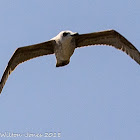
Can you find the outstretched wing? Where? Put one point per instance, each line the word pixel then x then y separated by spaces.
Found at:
pixel 111 38
pixel 26 53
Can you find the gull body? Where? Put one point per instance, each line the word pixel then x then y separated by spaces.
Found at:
pixel 63 46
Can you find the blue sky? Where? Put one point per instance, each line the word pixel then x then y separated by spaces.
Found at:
pixel 95 97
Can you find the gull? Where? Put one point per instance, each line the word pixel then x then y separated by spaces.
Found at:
pixel 63 46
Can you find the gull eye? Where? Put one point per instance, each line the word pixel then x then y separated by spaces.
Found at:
pixel 65 34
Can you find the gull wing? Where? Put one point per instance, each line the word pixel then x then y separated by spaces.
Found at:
pixel 111 38
pixel 26 53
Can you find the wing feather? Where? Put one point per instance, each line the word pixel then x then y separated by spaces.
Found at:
pixel 26 53
pixel 111 38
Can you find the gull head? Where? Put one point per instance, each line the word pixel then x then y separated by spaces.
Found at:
pixel 65 35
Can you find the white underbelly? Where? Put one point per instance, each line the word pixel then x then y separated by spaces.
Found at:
pixel 67 52
pixel 64 52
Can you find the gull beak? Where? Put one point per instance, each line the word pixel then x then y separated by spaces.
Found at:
pixel 75 34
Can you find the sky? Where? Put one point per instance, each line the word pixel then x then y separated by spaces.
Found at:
pixel 95 97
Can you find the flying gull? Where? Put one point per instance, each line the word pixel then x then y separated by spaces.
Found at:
pixel 63 46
